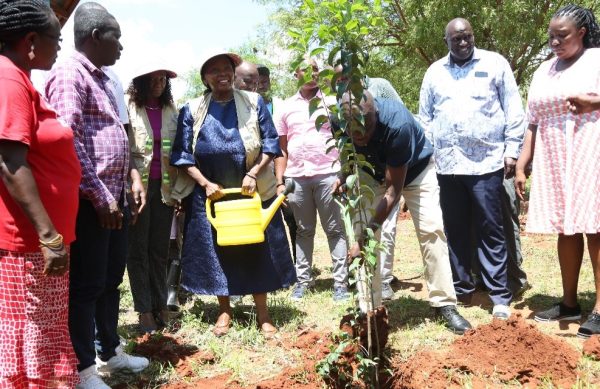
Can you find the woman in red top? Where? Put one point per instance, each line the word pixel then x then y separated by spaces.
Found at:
pixel 38 204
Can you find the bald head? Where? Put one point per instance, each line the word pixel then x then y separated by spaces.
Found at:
pixel 458 24
pixel 460 40
pixel 246 77
pixel 352 111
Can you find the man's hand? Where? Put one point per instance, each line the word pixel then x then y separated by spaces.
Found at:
pixel 583 103
pixel 110 216
pixel 354 252
pixel 509 167
pixel 338 187
pixel 56 261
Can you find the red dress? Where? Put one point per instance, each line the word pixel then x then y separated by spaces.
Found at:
pixel 35 346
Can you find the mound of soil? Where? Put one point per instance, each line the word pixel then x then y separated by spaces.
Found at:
pixel 501 351
pixel 591 347
pixel 165 349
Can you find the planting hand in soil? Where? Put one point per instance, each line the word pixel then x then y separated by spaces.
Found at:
pixel 565 186
pixel 396 147
pixel 381 88
pixel 477 132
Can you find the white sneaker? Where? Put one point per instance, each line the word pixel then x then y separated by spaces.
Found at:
pixel 89 379
pixel 501 312
pixel 121 361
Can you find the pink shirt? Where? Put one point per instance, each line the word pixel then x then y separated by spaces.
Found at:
pixel 307 156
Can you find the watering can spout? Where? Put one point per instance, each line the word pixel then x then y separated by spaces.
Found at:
pixel 268 213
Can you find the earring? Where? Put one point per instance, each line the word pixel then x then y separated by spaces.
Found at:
pixel 31 54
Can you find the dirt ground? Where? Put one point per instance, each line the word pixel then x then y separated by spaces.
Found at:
pixel 499 353
pixel 493 354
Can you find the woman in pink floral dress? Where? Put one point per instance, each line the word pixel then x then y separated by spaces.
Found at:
pixel 566 174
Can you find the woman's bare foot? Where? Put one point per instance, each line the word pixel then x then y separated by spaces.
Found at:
pixel 222 325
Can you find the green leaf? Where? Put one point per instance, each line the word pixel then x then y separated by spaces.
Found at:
pixel 317 51
pixel 294 33
pixel 320 120
pixel 351 180
pixel 313 105
pixel 358 7
pixel 332 55
pixel 351 25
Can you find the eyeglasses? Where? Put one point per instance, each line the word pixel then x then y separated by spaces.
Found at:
pixel 56 38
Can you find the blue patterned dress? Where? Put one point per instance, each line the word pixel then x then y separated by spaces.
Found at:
pixel 221 157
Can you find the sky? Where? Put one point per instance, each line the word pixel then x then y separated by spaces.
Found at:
pixel 177 33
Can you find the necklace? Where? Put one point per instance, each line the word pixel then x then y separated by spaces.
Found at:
pixel 223 101
pixel 152 108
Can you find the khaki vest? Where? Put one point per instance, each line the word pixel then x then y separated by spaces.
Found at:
pixel 246 104
pixel 141 142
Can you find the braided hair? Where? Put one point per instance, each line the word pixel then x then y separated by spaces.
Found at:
pixel 19 17
pixel 582 17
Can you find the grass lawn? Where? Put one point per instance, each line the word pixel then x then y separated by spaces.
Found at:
pixel 246 358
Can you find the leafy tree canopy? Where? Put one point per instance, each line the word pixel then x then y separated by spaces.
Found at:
pixel 402 48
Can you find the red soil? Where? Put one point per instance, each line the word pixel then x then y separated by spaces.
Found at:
pixel 498 352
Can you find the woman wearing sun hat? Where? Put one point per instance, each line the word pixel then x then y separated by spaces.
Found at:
pixel 226 139
pixel 153 121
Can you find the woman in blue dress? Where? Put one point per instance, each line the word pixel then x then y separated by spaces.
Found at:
pixel 226 139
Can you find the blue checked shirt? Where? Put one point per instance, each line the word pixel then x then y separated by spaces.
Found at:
pixel 473 115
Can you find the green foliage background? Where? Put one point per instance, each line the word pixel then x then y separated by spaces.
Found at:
pixel 402 49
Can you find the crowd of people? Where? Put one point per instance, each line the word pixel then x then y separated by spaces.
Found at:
pixel 92 179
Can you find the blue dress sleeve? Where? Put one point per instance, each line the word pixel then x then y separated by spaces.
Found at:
pixel 268 133
pixel 181 152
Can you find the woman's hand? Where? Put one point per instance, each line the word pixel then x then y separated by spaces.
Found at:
pixel 249 184
pixel 520 183
pixel 213 191
pixel 57 261
pixel 583 103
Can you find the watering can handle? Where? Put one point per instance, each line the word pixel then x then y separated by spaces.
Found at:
pixel 224 191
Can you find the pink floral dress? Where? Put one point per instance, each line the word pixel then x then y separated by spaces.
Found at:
pixel 565 187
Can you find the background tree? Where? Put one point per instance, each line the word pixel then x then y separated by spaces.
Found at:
pixel 402 49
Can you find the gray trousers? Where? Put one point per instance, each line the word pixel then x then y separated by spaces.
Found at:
pixel 312 195
pixel 149 253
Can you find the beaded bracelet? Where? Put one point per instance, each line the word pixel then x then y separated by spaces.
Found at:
pixel 54 243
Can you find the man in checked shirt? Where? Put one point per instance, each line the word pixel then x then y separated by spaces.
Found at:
pixel 80 92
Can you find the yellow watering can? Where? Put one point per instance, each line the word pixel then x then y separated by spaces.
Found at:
pixel 243 221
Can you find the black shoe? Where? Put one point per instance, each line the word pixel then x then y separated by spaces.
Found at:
pixel 590 327
pixel 454 321
pixel 559 312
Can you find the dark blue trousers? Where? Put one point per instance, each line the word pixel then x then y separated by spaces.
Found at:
pixel 98 258
pixel 467 199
